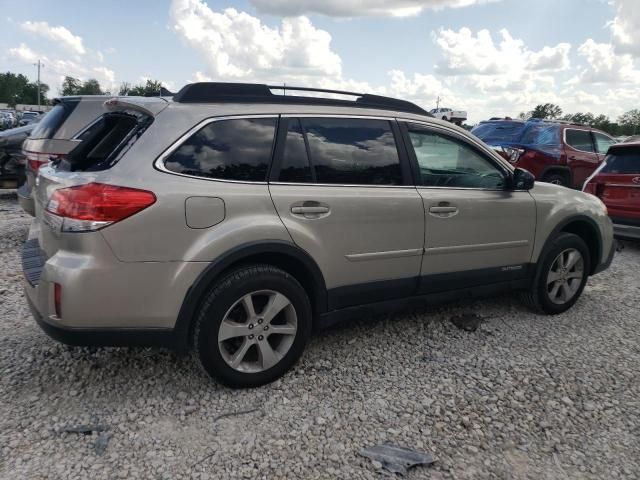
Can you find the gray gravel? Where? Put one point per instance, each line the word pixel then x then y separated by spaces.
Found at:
pixel 524 396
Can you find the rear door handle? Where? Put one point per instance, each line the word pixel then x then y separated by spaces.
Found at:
pixel 309 210
pixel 443 209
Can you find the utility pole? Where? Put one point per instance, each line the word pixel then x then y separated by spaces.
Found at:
pixel 438 102
pixel 39 64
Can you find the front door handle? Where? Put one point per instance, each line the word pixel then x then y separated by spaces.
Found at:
pixel 309 210
pixel 443 211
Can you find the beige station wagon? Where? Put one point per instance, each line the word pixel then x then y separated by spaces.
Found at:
pixel 231 221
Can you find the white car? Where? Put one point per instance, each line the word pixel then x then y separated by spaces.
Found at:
pixel 449 115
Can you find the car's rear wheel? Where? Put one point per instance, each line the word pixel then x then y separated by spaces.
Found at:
pixel 562 275
pixel 252 326
pixel 556 179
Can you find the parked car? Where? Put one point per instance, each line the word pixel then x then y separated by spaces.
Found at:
pixel 617 183
pixel 30 117
pixel 556 152
pixel 56 135
pixel 7 120
pixel 450 115
pixel 233 221
pixel 11 158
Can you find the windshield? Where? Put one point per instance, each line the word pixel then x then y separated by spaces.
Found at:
pixel 499 131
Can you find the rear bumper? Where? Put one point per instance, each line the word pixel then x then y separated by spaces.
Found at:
pixel 105 337
pixel 26 200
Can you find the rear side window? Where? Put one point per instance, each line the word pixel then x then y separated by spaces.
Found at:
pixel 295 165
pixel 353 151
pixel 625 161
pixel 53 120
pixel 103 141
pixel 540 134
pixel 237 149
pixel 603 142
pixel 579 139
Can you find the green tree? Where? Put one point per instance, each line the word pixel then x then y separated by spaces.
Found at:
pixel 74 86
pixel 91 87
pixel 124 88
pixel 149 89
pixel 16 88
pixel 547 111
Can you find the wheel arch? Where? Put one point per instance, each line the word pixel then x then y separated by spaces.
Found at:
pixel 587 229
pixel 281 254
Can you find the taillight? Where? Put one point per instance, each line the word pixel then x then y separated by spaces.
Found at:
pixel 93 206
pixel 35 160
pixel 511 154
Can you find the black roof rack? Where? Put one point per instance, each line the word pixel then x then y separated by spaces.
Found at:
pixel 218 92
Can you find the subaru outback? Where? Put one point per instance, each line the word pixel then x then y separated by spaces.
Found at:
pixel 231 221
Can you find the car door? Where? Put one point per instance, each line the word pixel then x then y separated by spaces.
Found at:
pixel 477 231
pixel 343 190
pixel 582 158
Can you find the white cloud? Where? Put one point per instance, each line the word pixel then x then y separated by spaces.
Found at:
pixel 58 34
pixel 55 69
pixel 357 8
pixel 605 66
pixel 625 27
pixel 238 45
pixel 466 53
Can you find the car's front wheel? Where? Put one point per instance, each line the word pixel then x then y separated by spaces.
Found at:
pixel 562 275
pixel 252 326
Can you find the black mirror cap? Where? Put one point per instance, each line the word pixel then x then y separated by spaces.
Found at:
pixel 523 179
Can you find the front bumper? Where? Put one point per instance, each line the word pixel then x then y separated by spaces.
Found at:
pixel 626 232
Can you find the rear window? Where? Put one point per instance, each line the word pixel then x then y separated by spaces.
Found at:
pixel 227 150
pixel 540 134
pixel 104 141
pixel 53 120
pixel 499 131
pixel 623 162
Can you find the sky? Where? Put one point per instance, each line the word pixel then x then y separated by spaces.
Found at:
pixel 489 57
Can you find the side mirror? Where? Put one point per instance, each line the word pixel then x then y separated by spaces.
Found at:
pixel 522 179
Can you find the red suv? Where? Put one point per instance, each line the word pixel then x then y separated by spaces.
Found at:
pixel 617 183
pixel 555 152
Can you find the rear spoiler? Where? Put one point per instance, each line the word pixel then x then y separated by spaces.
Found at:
pixel 150 106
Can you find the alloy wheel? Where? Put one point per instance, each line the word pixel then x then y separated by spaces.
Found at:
pixel 257 331
pixel 565 276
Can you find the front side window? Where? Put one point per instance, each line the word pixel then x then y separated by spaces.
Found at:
pixel 353 151
pixel 446 162
pixel 603 142
pixel 238 149
pixel 579 139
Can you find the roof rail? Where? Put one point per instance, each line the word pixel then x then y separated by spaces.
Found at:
pixel 563 122
pixel 219 92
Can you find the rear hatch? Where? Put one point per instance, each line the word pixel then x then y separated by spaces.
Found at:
pixel 617 183
pixel 68 191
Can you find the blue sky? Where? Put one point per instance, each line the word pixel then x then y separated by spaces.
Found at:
pixel 495 57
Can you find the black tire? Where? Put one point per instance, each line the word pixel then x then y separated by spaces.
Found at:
pixel 445 119
pixel 556 179
pixel 538 296
pixel 222 296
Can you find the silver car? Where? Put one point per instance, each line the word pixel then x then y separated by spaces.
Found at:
pixel 232 221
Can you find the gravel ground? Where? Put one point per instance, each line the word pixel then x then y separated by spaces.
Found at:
pixel 525 396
